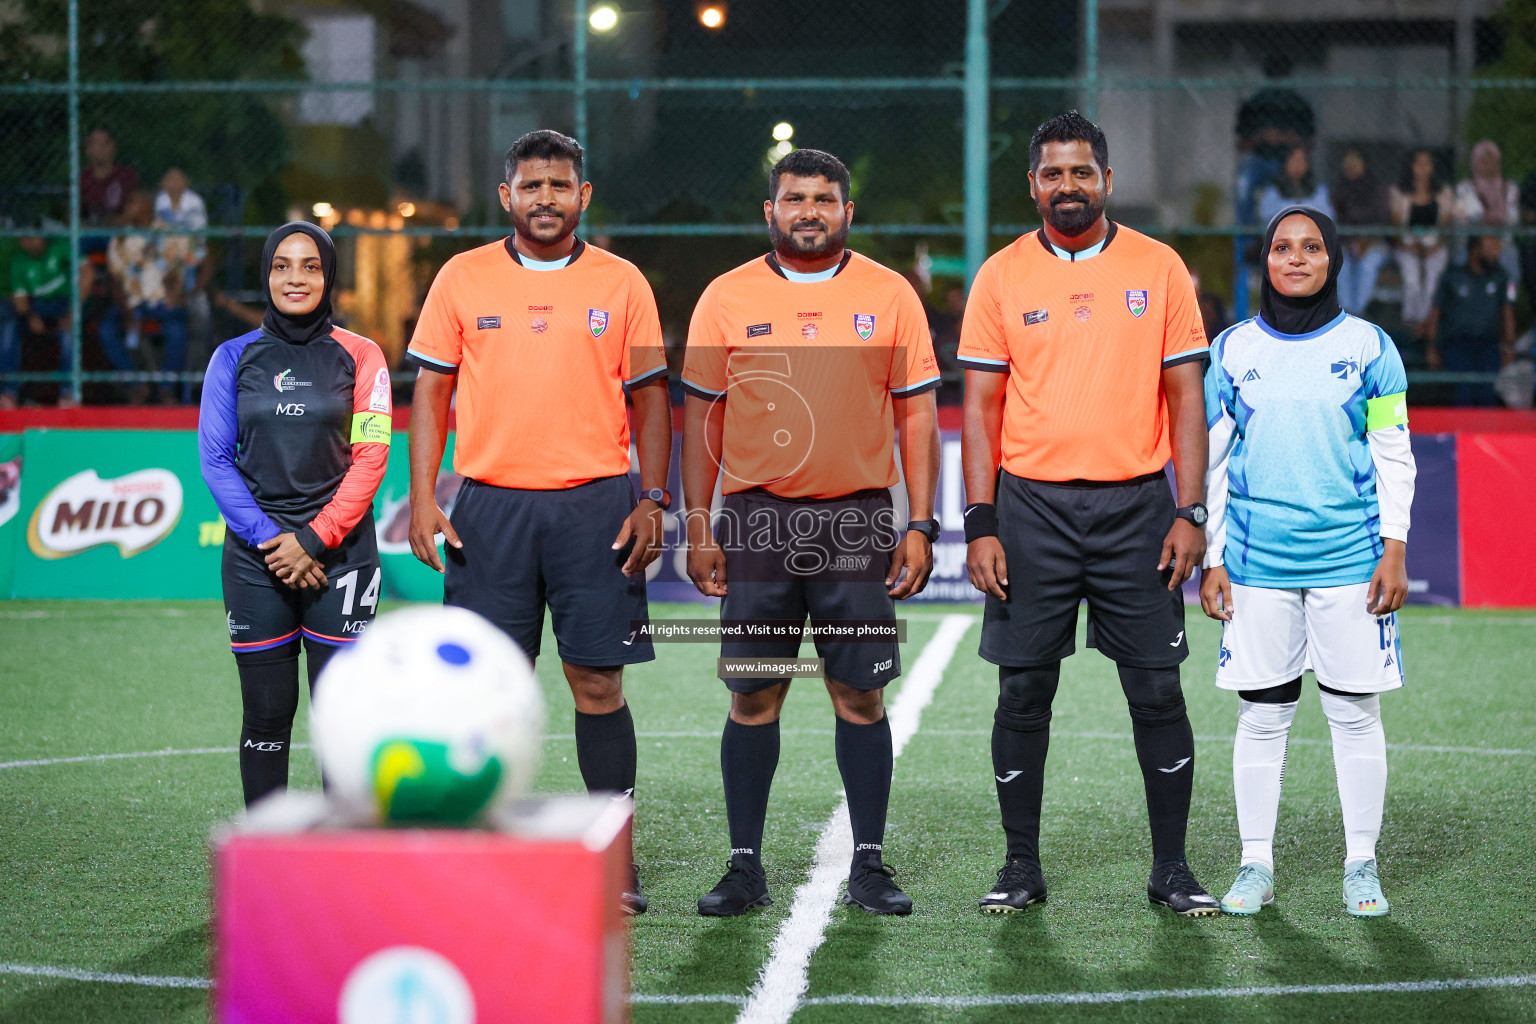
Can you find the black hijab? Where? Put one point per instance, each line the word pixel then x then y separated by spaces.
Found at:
pixel 1308 313
pixel 299 330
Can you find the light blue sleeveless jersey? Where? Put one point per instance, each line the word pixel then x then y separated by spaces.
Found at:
pixel 1302 508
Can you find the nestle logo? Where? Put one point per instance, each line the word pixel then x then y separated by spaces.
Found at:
pixel 488 323
pixel 758 330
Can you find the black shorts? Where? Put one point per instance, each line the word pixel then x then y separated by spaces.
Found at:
pixel 262 611
pixel 524 549
pixel 826 558
pixel 1068 541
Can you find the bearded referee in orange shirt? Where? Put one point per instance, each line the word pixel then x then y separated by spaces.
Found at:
pixel 1084 354
pixel 803 368
pixel 543 335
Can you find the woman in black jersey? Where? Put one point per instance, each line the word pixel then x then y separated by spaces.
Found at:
pixel 294 438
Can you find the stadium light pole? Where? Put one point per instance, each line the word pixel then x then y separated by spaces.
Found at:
pixel 977 94
pixel 579 59
pixel 75 333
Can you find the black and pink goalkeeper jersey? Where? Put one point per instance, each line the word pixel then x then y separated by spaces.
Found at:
pixel 295 438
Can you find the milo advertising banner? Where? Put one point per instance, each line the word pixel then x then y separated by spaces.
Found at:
pixel 115 515
pixel 10 505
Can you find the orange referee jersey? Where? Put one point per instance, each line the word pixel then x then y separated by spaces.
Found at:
pixel 806 371
pixel 543 358
pixel 1084 343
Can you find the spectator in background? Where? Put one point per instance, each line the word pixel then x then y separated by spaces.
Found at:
pixel 1295 185
pixel 1526 246
pixel 1472 323
pixel 1270 123
pixel 1359 201
pixel 10 328
pixel 148 284
pixel 1420 199
pixel 177 209
pixel 1213 312
pixel 106 186
pixel 40 283
pixel 1490 199
pixel 944 326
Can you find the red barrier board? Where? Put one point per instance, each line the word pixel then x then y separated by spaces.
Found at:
pixel 1496 482
pixel 453 926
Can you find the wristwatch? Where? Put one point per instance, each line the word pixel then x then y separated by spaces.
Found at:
pixel 927 527
pixel 660 496
pixel 1195 513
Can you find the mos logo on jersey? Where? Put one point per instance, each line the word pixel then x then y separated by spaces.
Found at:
pixel 1136 302
pixel 135 512
pixel 597 322
pixel 864 324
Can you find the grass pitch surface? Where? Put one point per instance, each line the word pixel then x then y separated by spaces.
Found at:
pixel 103 862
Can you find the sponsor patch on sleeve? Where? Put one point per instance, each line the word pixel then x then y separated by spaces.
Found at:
pixel 1036 316
pixel 379 400
pixel 758 330
pixel 370 428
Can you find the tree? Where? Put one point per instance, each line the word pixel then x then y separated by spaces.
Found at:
pixel 219 138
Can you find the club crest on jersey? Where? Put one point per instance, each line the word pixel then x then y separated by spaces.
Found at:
pixel 1136 302
pixel 597 322
pixel 1344 367
pixel 864 323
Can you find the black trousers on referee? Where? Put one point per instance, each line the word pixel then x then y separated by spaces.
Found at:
pixel 1067 542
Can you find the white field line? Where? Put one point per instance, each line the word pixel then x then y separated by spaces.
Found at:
pixel 783 979
pixel 70 974
pixel 715 735
pixel 940 1002
pixel 168 752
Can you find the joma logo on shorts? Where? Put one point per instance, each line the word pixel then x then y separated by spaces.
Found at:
pixel 881 666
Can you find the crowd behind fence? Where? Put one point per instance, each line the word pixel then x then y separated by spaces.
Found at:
pixel 152 145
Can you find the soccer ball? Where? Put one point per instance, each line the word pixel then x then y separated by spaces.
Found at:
pixel 433 716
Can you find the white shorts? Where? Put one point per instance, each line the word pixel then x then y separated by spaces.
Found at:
pixel 1275 635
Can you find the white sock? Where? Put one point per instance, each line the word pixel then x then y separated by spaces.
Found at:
pixel 1360 762
pixel 1258 766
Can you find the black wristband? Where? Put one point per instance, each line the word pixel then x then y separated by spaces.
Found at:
pixel 980 521
pixel 310 541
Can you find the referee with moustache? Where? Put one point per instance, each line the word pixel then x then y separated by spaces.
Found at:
pixel 1084 351
pixel 543 335
pixel 804 367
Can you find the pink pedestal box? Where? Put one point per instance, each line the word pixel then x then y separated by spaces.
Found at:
pixel 520 925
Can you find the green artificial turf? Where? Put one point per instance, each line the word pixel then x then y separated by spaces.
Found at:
pixel 103 864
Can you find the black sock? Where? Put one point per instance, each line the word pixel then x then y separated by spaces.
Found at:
pixel 749 755
pixel 1021 738
pixel 269 691
pixel 1165 747
pixel 605 750
pixel 316 656
pixel 865 759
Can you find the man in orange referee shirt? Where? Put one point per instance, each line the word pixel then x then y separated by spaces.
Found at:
pixel 1084 351
pixel 543 335
pixel 803 367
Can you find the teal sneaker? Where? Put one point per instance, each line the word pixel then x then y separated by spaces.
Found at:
pixel 1253 891
pixel 1362 890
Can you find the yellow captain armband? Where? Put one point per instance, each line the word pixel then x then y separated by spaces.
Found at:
pixel 370 428
pixel 1386 411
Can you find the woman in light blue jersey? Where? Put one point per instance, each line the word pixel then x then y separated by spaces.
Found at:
pixel 1309 489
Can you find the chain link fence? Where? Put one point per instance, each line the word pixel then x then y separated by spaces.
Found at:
pixel 150 145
